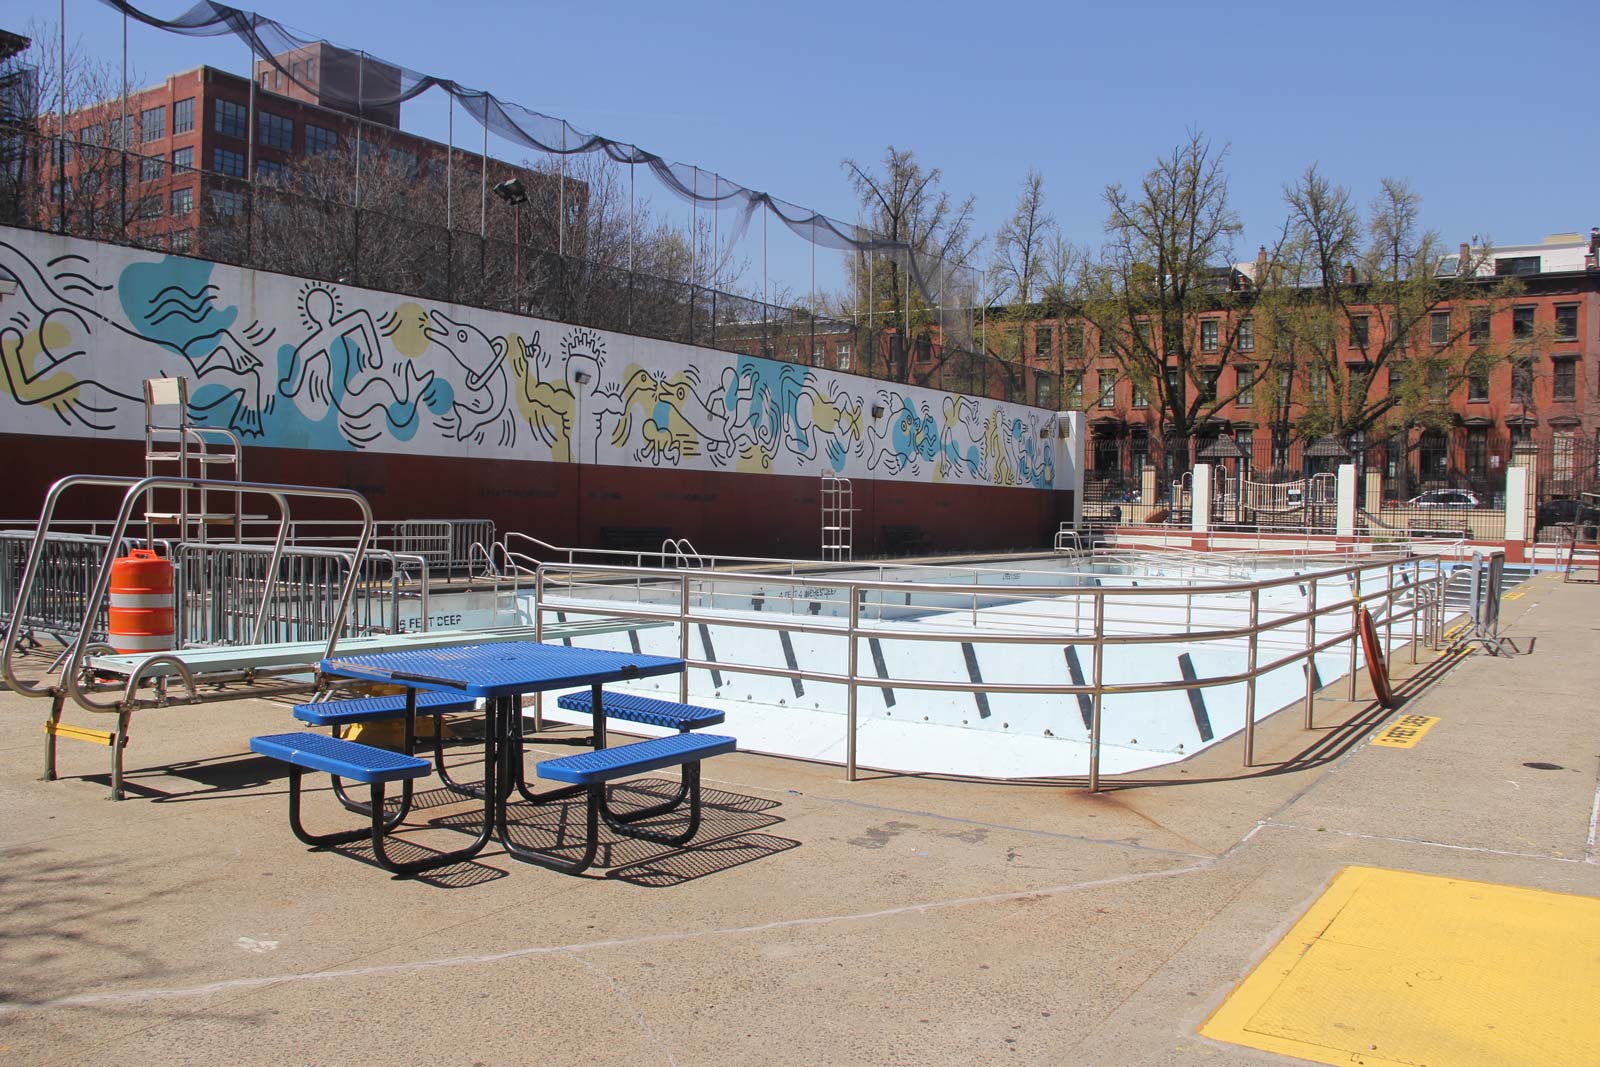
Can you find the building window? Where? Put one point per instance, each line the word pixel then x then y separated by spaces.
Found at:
pixel 182 157
pixel 1208 335
pixel 1108 388
pixel 1246 440
pixel 151 168
pixel 1208 384
pixel 63 152
pixel 1522 323
pixel 274 131
pixel 1477 453
pixel 270 170
pixel 1316 385
pixel 117 131
pixel 1478 387
pixel 1517 265
pixel 1566 322
pixel 153 123
pixel 1564 379
pixel 1360 331
pixel 1247 335
pixel 266 79
pixel 1042 395
pixel 1105 342
pixel 406 163
pixel 1074 391
pixel 311 69
pixel 1041 342
pixel 1478 326
pixel 92 135
pixel 1074 340
pixel 231 119
pixel 1438 383
pixel 1143 331
pixel 182 201
pixel 227 162
pixel 1522 381
pixel 1140 400
pixel 1245 387
pixel 150 207
pixel 181 240
pixel 319 140
pixel 1397 378
pixel 1439 328
pixel 183 116
pixel 294 70
pixel 841 355
pixel 226 204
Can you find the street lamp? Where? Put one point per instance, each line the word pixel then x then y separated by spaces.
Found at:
pixel 513 192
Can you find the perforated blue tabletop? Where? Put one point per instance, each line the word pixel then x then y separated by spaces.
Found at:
pixel 502 669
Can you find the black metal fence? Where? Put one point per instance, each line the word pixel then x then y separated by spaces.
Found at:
pixel 281 224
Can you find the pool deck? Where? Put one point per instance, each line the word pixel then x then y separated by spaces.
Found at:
pixel 894 920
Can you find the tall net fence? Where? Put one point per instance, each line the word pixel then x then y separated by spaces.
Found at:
pixel 300 166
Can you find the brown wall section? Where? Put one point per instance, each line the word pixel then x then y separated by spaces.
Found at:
pixel 567 504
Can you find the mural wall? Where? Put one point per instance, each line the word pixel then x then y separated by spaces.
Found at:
pixel 289 363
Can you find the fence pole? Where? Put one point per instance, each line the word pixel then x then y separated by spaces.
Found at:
pixel 1098 697
pixel 1355 627
pixel 683 638
pixel 1416 605
pixel 852 661
pixel 1311 644
pixel 1250 680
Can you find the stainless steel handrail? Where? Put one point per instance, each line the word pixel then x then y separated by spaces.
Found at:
pixel 135 491
pixel 1421 597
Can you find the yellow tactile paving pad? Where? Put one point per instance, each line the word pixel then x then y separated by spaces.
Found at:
pixel 1390 967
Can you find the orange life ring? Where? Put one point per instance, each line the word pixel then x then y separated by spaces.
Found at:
pixel 1377 670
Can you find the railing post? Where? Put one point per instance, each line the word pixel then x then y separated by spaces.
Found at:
pixel 538 637
pixel 683 638
pixel 1099 687
pixel 1311 644
pixel 1388 615
pixel 1355 629
pixel 852 659
pixel 1416 604
pixel 1250 680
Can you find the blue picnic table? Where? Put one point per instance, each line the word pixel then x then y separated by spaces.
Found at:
pixel 500 674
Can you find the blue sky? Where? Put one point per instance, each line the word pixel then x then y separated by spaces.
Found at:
pixel 1488 110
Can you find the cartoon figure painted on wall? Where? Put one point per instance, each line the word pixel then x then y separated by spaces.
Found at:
pixel 325 366
pixel 176 328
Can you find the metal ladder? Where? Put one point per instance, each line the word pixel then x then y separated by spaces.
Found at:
pixel 838 518
pixel 180 449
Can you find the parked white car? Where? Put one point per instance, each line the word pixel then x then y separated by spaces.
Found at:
pixel 1445 498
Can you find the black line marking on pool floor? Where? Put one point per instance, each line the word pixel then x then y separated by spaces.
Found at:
pixel 1197 699
pixel 970 654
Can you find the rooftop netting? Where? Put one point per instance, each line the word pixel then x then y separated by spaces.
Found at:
pixel 268 39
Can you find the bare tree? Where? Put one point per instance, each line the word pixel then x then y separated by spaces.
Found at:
pixel 904 203
pixel 1016 267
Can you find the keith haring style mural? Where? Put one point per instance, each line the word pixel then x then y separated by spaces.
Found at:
pixel 305 364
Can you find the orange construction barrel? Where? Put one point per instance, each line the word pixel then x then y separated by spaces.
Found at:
pixel 141 602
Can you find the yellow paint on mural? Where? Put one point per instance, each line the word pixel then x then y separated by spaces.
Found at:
pixel 1392 968
pixel 1405 731
pixel 22 354
pixel 408 338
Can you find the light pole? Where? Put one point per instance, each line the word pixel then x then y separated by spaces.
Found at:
pixel 514 193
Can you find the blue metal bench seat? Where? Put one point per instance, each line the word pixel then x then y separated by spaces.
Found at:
pixel 374 709
pixel 592 770
pixel 304 751
pixel 644 709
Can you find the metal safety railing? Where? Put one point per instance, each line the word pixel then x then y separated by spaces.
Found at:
pixel 56 603
pixel 1285 630
pixel 446 544
pixel 72 678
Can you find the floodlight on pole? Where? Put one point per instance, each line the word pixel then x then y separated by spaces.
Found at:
pixel 513 192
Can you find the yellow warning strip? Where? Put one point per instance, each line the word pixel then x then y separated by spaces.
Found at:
pixel 1405 731
pixel 80 733
pixel 1391 967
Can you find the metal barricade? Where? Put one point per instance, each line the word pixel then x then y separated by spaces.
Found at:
pixel 59 599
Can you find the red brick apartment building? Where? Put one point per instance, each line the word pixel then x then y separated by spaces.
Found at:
pixel 190 157
pixel 1544 400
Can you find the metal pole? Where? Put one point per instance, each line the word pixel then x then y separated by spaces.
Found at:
pixel 1097 698
pixel 683 638
pixel 561 198
pixel 1250 680
pixel 1311 643
pixel 250 150
pixel 122 133
pixel 1416 605
pixel 483 176
pixel 61 121
pixel 450 162
pixel 1355 627
pixel 1388 616
pixel 850 687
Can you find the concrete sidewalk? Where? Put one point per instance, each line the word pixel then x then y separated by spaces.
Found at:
pixel 896 920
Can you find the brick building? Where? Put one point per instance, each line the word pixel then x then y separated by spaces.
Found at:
pixel 174 164
pixel 1545 400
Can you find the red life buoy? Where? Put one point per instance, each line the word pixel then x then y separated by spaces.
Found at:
pixel 1377 670
pixel 141 603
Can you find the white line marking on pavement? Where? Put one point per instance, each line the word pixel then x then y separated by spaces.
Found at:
pixel 135 996
pixel 1594 821
pixel 1421 841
